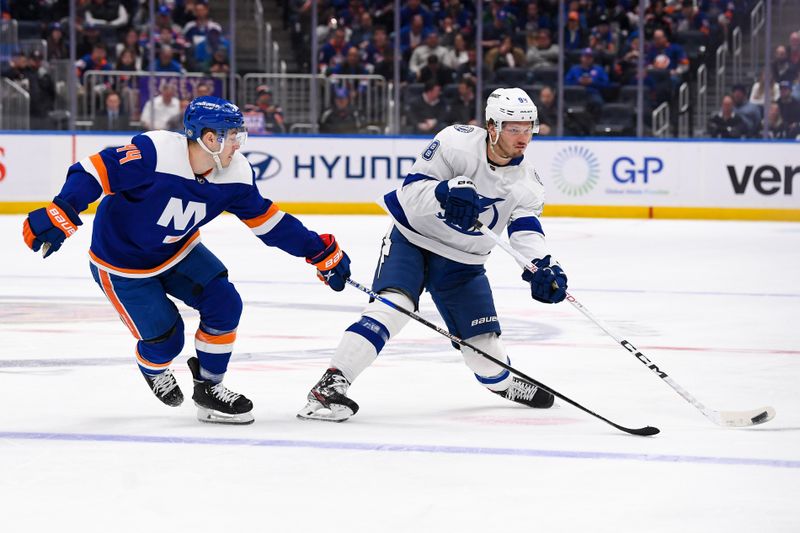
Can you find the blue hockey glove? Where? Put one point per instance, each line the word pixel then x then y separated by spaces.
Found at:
pixel 548 283
pixel 459 199
pixel 333 265
pixel 50 225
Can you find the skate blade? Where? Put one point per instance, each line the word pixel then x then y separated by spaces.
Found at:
pixel 316 411
pixel 211 416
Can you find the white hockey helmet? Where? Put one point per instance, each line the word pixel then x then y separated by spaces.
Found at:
pixel 511 105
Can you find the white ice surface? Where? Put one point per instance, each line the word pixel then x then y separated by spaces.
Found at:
pixel 85 447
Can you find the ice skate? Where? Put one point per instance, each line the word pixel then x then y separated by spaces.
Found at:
pixel 527 394
pixel 328 399
pixel 165 387
pixel 215 403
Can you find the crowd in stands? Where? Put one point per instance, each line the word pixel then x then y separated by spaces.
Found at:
pixel 438 59
pixel 114 35
pixel 744 112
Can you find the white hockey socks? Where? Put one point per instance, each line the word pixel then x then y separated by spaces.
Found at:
pixel 362 341
pixel 489 374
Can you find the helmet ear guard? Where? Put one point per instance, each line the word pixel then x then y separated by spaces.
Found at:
pixel 510 105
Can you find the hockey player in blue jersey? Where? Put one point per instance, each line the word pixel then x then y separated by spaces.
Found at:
pixel 465 174
pixel 159 190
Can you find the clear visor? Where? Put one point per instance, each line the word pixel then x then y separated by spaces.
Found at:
pixel 235 135
pixel 522 130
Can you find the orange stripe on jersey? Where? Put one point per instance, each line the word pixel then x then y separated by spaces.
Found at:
pixel 257 221
pixel 225 338
pixel 108 288
pixel 166 263
pixel 100 167
pixel 150 364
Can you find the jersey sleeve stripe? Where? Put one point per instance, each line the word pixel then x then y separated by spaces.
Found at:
pixel 525 224
pixel 148 272
pixel 411 178
pixel 265 223
pixel 101 172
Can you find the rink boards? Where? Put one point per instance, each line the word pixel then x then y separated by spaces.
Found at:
pixel 595 178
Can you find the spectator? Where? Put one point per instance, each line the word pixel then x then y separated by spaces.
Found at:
pixel 219 62
pixel 626 66
pixel 502 26
pixel 782 69
pixel 727 124
pixel 17 67
pixel 751 113
pixel 775 125
pixel 131 42
pixel 207 89
pixel 107 14
pixel 56 45
pixel 377 50
pixel 590 76
pixel 603 39
pixel 89 37
pixel 94 61
pixel 505 56
pixel 41 89
pixel 544 53
pixel 435 71
pixel 195 31
pixel 462 111
pixel 574 36
pixel 333 52
pixel 461 16
pixel 419 56
pixel 204 51
pixel 352 65
pixel 678 62
pixel 342 117
pixel 428 115
pixel 548 111
pixel 412 9
pixel 158 111
pixel 656 19
pixel 165 62
pixel 794 50
pixel 412 36
pixel 363 31
pixel 658 82
pixel 790 110
pixel 113 117
pixel 757 91
pixel 470 68
pixel 534 20
pixel 689 18
pixel 264 117
pixel 176 122
pixel 458 55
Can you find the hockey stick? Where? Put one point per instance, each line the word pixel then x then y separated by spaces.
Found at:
pixel 722 418
pixel 645 431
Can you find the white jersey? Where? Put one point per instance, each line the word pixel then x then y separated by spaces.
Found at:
pixel 511 196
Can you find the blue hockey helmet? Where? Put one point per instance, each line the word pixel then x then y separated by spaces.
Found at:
pixel 218 115
pixel 211 112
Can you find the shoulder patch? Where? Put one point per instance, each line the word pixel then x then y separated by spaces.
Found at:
pixel 462 128
pixel 429 152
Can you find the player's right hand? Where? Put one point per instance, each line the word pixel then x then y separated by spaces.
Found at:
pixel 333 265
pixel 51 224
pixel 548 283
pixel 459 199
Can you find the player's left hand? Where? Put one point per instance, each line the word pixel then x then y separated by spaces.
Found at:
pixel 548 283
pixel 333 265
pixel 50 225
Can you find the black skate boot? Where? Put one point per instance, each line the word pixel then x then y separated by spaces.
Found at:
pixel 328 399
pixel 165 387
pixel 217 404
pixel 527 394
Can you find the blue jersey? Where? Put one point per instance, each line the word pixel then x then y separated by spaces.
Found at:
pixel 154 205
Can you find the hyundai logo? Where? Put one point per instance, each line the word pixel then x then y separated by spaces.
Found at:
pixel 266 166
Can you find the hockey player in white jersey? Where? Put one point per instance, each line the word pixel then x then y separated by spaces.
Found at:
pixel 465 174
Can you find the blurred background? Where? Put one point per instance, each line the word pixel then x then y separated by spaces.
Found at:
pixel 661 68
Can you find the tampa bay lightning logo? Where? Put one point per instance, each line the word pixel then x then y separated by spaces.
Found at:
pixel 265 165
pixel 486 204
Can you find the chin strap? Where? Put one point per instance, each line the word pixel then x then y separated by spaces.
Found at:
pixel 214 155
